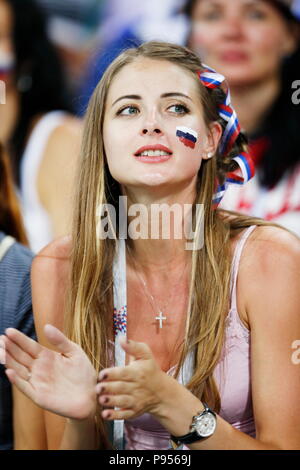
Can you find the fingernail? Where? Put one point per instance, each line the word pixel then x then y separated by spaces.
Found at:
pixel 106 399
pixel 103 376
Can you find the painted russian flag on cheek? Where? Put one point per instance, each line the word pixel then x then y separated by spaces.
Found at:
pixel 187 136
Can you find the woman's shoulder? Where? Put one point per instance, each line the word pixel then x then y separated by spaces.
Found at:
pixel 51 267
pixel 268 246
pixel 55 256
pixel 267 242
pixel 269 269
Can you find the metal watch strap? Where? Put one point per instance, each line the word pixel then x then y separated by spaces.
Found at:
pixel 192 436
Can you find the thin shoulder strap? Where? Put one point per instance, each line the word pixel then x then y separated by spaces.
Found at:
pixel 236 261
pixel 5 245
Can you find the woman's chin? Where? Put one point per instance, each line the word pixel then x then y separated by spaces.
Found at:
pixel 150 180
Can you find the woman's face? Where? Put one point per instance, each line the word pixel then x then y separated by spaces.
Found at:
pixel 6 44
pixel 245 40
pixel 149 102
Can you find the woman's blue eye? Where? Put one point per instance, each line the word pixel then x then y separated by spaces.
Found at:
pixel 257 15
pixel 179 109
pixel 129 110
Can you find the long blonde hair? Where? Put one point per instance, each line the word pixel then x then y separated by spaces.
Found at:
pixel 90 307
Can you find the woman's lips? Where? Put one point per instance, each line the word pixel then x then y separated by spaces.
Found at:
pixel 158 148
pixel 234 57
pixel 153 159
pixel 153 147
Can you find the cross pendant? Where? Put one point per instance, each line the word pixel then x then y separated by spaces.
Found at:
pixel 160 318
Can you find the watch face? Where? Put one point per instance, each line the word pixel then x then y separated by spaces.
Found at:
pixel 205 425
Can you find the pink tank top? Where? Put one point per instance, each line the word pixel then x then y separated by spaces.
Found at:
pixel 232 375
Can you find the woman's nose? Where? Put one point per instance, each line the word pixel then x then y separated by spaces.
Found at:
pixel 151 124
pixel 150 130
pixel 232 27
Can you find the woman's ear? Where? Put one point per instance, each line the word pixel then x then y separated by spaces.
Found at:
pixel 213 139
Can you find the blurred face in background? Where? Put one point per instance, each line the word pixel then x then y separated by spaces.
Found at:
pixel 246 40
pixel 6 44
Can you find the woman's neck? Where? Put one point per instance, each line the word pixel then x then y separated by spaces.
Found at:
pixel 163 248
pixel 254 101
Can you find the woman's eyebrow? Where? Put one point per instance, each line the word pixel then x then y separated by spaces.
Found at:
pixel 127 97
pixel 175 93
pixel 164 95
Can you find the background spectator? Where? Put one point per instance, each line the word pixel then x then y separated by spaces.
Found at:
pixel 35 123
pixel 73 27
pixel 15 290
pixel 256 46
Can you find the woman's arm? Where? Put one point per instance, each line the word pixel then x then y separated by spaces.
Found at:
pixel 80 435
pixel 53 263
pixel 49 281
pixel 28 423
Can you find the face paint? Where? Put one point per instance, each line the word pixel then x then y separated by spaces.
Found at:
pixel 187 136
pixel 7 63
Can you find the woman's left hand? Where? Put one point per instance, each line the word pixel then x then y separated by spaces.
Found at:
pixel 140 387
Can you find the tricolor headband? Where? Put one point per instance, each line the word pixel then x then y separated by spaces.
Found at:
pixel 211 79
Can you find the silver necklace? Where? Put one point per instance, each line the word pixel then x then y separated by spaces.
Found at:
pixel 161 316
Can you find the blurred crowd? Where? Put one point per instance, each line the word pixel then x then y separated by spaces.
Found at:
pixel 52 55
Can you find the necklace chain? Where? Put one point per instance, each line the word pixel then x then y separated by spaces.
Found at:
pixel 153 302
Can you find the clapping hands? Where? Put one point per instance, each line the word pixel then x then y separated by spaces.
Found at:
pixel 65 382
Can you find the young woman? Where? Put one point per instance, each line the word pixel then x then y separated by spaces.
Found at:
pixel 255 44
pixel 36 127
pixel 15 293
pixel 215 324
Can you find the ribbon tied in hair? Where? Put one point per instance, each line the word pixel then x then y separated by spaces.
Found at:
pixel 211 79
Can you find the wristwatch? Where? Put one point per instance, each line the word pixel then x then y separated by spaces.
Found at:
pixel 203 426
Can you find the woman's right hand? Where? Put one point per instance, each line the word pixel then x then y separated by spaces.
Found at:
pixel 62 382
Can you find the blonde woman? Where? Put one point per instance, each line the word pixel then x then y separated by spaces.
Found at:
pixel 212 331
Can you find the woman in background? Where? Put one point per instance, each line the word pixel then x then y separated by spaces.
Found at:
pixel 35 123
pixel 255 44
pixel 15 297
